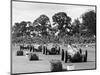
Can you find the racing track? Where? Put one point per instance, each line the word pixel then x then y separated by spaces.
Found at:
pixel 21 64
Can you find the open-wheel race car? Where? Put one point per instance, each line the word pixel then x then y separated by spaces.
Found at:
pixel 34 47
pixel 37 48
pixel 73 54
pixel 52 49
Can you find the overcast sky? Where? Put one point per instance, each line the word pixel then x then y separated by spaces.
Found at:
pixel 27 11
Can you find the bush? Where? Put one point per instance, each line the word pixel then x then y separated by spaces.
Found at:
pixel 20 53
pixel 33 57
pixel 56 66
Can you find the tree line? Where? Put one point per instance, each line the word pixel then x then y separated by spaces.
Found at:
pixel 62 27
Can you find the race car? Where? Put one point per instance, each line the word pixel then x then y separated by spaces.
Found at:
pixel 37 48
pixel 52 49
pixel 73 54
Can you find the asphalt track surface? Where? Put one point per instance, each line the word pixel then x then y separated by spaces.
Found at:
pixel 21 64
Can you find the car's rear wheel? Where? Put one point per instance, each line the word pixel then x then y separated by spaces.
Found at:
pixel 62 55
pixel 46 52
pixel 85 56
pixel 66 57
pixel 80 50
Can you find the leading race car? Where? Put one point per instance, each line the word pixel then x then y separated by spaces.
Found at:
pixel 73 54
pixel 52 49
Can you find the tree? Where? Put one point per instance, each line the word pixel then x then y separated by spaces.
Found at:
pixel 16 30
pixel 62 20
pixel 21 31
pixel 23 28
pixel 89 20
pixel 76 26
pixel 41 24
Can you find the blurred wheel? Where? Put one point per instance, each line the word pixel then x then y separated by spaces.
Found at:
pixel 66 57
pixel 46 52
pixel 85 56
pixel 62 55
pixel 80 50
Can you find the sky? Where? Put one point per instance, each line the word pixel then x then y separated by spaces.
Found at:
pixel 29 11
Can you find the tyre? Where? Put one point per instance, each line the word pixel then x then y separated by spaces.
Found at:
pixel 46 52
pixel 66 57
pixel 62 55
pixel 85 56
pixel 80 50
